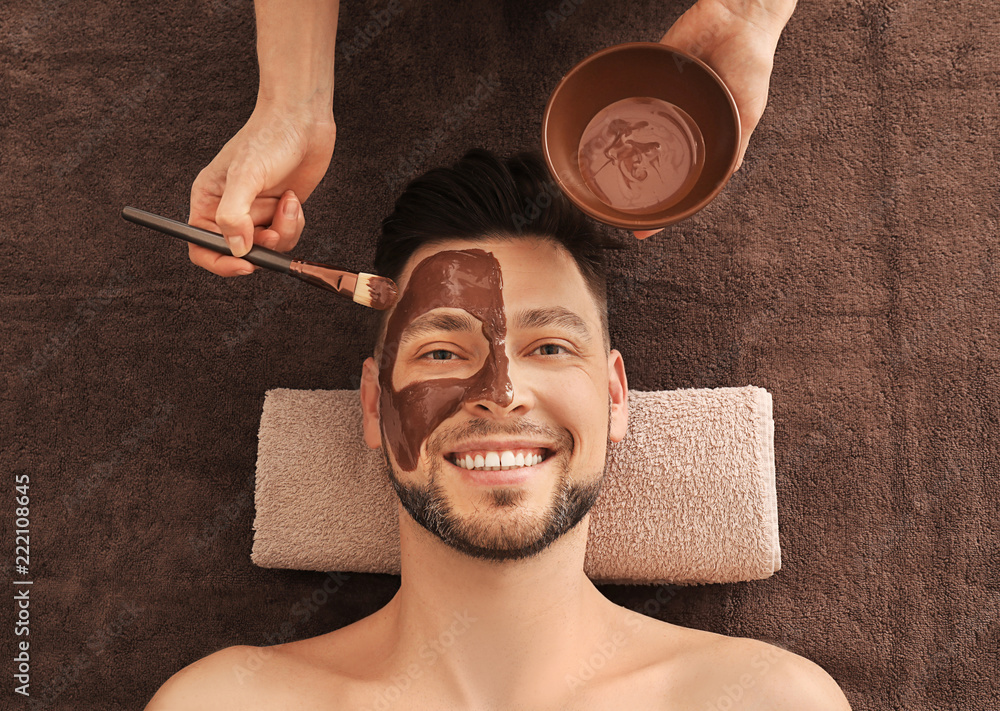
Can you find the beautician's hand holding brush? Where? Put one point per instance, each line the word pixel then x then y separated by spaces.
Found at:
pixel 366 289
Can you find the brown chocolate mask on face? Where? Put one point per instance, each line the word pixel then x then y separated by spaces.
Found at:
pixel 469 280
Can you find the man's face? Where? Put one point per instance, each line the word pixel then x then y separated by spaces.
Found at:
pixel 494 396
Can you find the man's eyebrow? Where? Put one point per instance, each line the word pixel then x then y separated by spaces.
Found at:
pixel 437 322
pixel 558 316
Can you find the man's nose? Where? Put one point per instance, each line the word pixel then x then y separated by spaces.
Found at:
pixel 501 390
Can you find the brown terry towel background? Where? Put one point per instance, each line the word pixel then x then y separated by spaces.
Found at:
pixel 850 268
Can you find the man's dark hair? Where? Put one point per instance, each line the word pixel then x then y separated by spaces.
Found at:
pixel 483 196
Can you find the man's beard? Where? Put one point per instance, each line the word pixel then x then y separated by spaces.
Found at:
pixel 500 531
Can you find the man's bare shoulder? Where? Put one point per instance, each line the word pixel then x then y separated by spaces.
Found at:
pixel 668 666
pixel 202 684
pixel 241 677
pixel 756 676
pixel 329 671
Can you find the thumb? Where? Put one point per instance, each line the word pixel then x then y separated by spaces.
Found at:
pixel 233 214
pixel 643 234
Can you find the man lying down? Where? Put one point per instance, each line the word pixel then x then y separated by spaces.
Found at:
pixel 494 394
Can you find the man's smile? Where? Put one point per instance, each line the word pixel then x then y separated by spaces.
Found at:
pixel 498 458
pixel 488 468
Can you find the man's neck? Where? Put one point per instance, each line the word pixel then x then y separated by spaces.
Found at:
pixel 495 631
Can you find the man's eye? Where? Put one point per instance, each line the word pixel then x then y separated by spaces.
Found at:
pixel 439 354
pixel 550 349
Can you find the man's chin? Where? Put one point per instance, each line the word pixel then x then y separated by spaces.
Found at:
pixel 502 530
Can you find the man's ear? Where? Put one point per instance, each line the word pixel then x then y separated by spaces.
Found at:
pixel 618 393
pixel 370 394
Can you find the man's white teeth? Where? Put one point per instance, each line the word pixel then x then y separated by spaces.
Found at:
pixel 494 461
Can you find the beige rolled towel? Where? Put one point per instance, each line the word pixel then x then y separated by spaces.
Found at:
pixel 689 495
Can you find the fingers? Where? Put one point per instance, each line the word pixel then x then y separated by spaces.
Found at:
pixel 747 127
pixel 233 213
pixel 643 234
pixel 286 225
pixel 221 264
pixel 283 234
pixel 744 142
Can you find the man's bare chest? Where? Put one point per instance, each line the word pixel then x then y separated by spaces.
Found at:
pixel 645 688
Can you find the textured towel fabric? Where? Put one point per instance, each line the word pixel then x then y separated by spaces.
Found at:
pixel 689 495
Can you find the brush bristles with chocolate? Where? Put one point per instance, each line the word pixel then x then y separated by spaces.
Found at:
pixel 375 291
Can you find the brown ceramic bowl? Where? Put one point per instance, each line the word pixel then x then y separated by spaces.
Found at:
pixel 641 69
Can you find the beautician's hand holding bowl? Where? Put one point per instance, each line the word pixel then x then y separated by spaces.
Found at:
pixel 737 40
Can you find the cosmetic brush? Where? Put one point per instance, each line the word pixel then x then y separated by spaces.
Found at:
pixel 366 289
